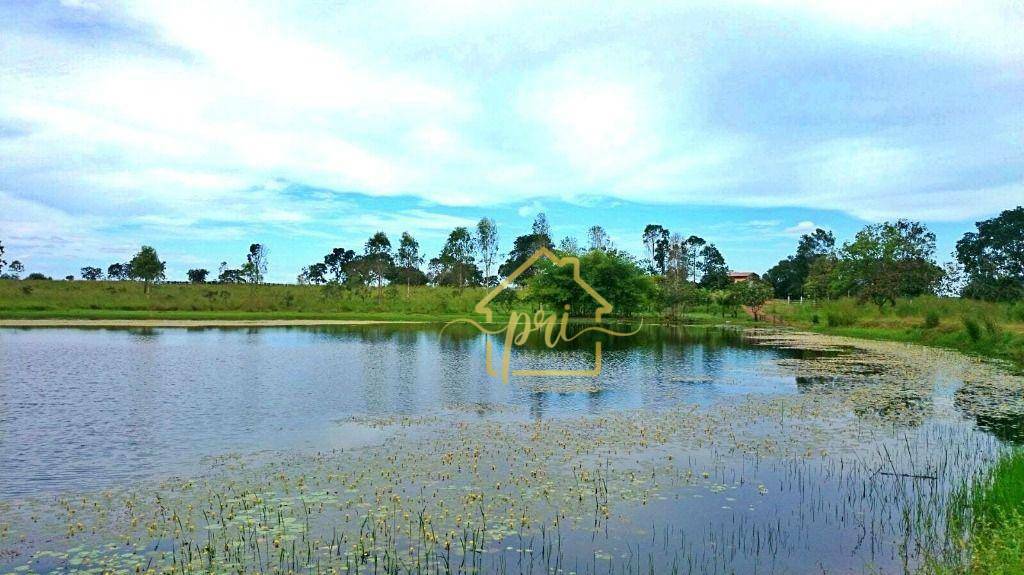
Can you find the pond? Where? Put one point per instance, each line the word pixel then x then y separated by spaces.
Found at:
pixel 389 448
pixel 89 407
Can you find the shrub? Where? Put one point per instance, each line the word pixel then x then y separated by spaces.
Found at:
pixel 931 319
pixel 840 318
pixel 990 325
pixel 815 319
pixel 1017 352
pixel 973 328
pixel 1016 311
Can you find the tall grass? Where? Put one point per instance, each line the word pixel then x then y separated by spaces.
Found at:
pixel 991 516
pixel 981 328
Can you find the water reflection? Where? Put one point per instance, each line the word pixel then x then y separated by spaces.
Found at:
pixel 89 406
pixel 1008 427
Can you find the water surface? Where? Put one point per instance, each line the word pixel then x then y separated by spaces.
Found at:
pixel 86 407
pixel 696 450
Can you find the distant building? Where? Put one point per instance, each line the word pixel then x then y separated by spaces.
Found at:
pixel 737 277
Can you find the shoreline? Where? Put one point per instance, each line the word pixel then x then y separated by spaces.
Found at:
pixel 58 322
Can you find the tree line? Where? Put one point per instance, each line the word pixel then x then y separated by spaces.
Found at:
pixel 881 263
pixel 890 260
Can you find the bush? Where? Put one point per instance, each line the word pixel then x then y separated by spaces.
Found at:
pixel 840 318
pixel 1016 311
pixel 931 319
pixel 990 326
pixel 815 319
pixel 1017 352
pixel 973 328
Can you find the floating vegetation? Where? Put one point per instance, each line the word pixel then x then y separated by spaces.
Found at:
pixel 855 471
pixel 693 379
pixel 898 380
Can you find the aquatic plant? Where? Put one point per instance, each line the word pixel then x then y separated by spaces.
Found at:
pixel 750 482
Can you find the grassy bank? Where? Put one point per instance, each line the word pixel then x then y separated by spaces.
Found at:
pixel 127 300
pixel 978 328
pixel 111 300
pixel 991 516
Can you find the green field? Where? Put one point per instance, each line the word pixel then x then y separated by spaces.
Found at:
pixel 127 300
pixel 994 330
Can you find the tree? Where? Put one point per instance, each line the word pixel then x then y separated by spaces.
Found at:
pixel 694 245
pixel 146 266
pixel 409 261
pixel 656 240
pixel 818 243
pixel 377 254
pixel 3 262
pixel 358 273
pixel 226 275
pixel 784 278
pixel 36 276
pixel 716 272
pixel 541 227
pixel 198 276
pixel 487 246
pixel 522 248
pixel 598 239
pixel 953 280
pixel 677 258
pixel 117 271
pixel 675 292
pixel 789 275
pixel 91 274
pixel 455 266
pixel 725 299
pixel 569 246
pixel 993 257
pixel 318 273
pixel 337 261
pixel 889 260
pixel 753 294
pixel 16 269
pixel 821 278
pixel 613 274
pixel 255 267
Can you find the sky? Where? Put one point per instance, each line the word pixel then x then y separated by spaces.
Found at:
pixel 201 127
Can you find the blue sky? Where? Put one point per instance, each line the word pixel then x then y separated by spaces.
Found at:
pixel 202 127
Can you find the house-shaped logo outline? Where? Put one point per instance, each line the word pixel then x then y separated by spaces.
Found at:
pixel 603 308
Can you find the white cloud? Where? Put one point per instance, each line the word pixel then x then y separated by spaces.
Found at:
pixel 82 4
pixel 419 221
pixel 804 227
pixel 530 210
pixel 182 114
pixel 990 29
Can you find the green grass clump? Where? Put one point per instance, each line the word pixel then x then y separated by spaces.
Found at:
pixel 972 328
pixel 991 514
pixel 1017 312
pixel 843 314
pixel 984 328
